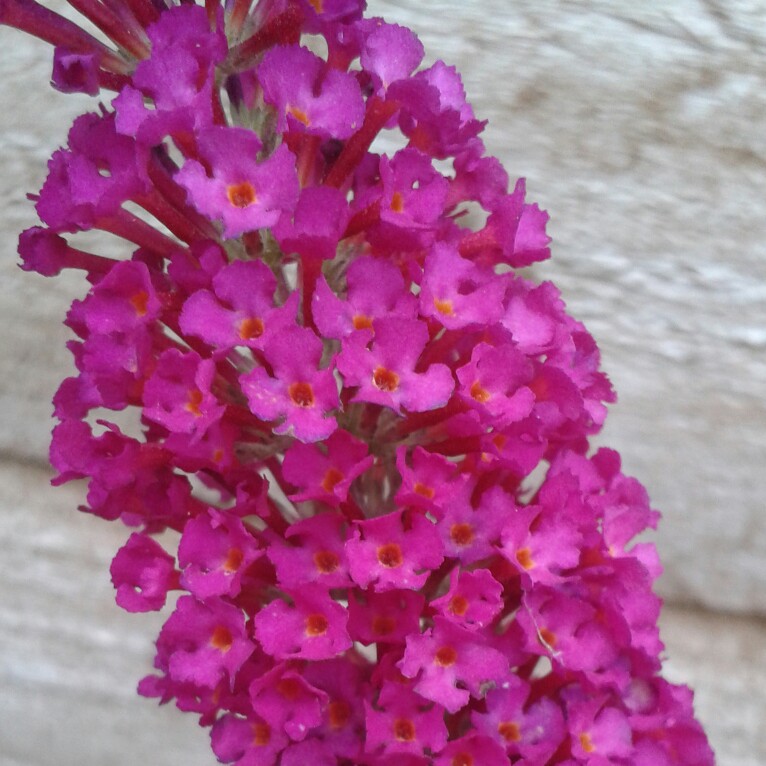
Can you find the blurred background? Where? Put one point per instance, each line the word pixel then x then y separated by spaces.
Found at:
pixel 641 128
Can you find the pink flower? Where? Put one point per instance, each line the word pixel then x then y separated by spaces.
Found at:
pixel 242 193
pixel 363 433
pixel 385 372
pixel 313 627
pixel 298 394
pixel 393 552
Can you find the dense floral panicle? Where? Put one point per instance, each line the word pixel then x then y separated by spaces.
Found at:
pixel 365 435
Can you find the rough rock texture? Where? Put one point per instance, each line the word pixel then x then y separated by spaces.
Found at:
pixel 641 129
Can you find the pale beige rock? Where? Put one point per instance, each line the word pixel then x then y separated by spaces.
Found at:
pixel 723 658
pixel 69 657
pixel 641 128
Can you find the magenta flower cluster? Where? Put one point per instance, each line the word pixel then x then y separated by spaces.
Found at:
pixel 360 440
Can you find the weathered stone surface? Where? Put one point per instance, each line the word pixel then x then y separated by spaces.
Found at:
pixel 70 659
pixel 641 129
pixel 723 658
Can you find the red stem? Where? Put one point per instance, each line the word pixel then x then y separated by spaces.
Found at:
pixel 476 241
pixel 211 7
pixel 379 112
pixel 310 268
pixel 180 226
pixel 307 153
pixel 281 30
pixel 143 10
pixel 219 116
pixel 112 26
pixel 162 179
pixel 132 228
pixel 38 21
pixel 238 15
pixel 112 81
pixel 362 220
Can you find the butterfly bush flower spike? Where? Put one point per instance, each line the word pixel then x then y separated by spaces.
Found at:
pixel 360 465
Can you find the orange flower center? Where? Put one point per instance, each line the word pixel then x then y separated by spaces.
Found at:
pixel 362 322
pixel 404 730
pixel 524 557
pixel 338 712
pixel 261 734
pixel 444 307
pixel 242 194
pixel 332 478
pixel 390 555
pixel 479 393
pixel 193 402
pixel 397 202
pixel 548 637
pixel 385 380
pixel 140 302
pixel 510 731
pixel 587 743
pixel 250 328
pixel 233 560
pixel 424 490
pixel 445 656
pixel 316 625
pixel 458 605
pixel 461 534
pixel 221 638
pixel 326 561
pixel 462 759
pixel 302 394
pixel 299 115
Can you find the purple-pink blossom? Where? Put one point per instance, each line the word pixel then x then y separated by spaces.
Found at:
pixel 364 437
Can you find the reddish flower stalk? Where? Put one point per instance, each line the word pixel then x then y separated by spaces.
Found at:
pixel 344 397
